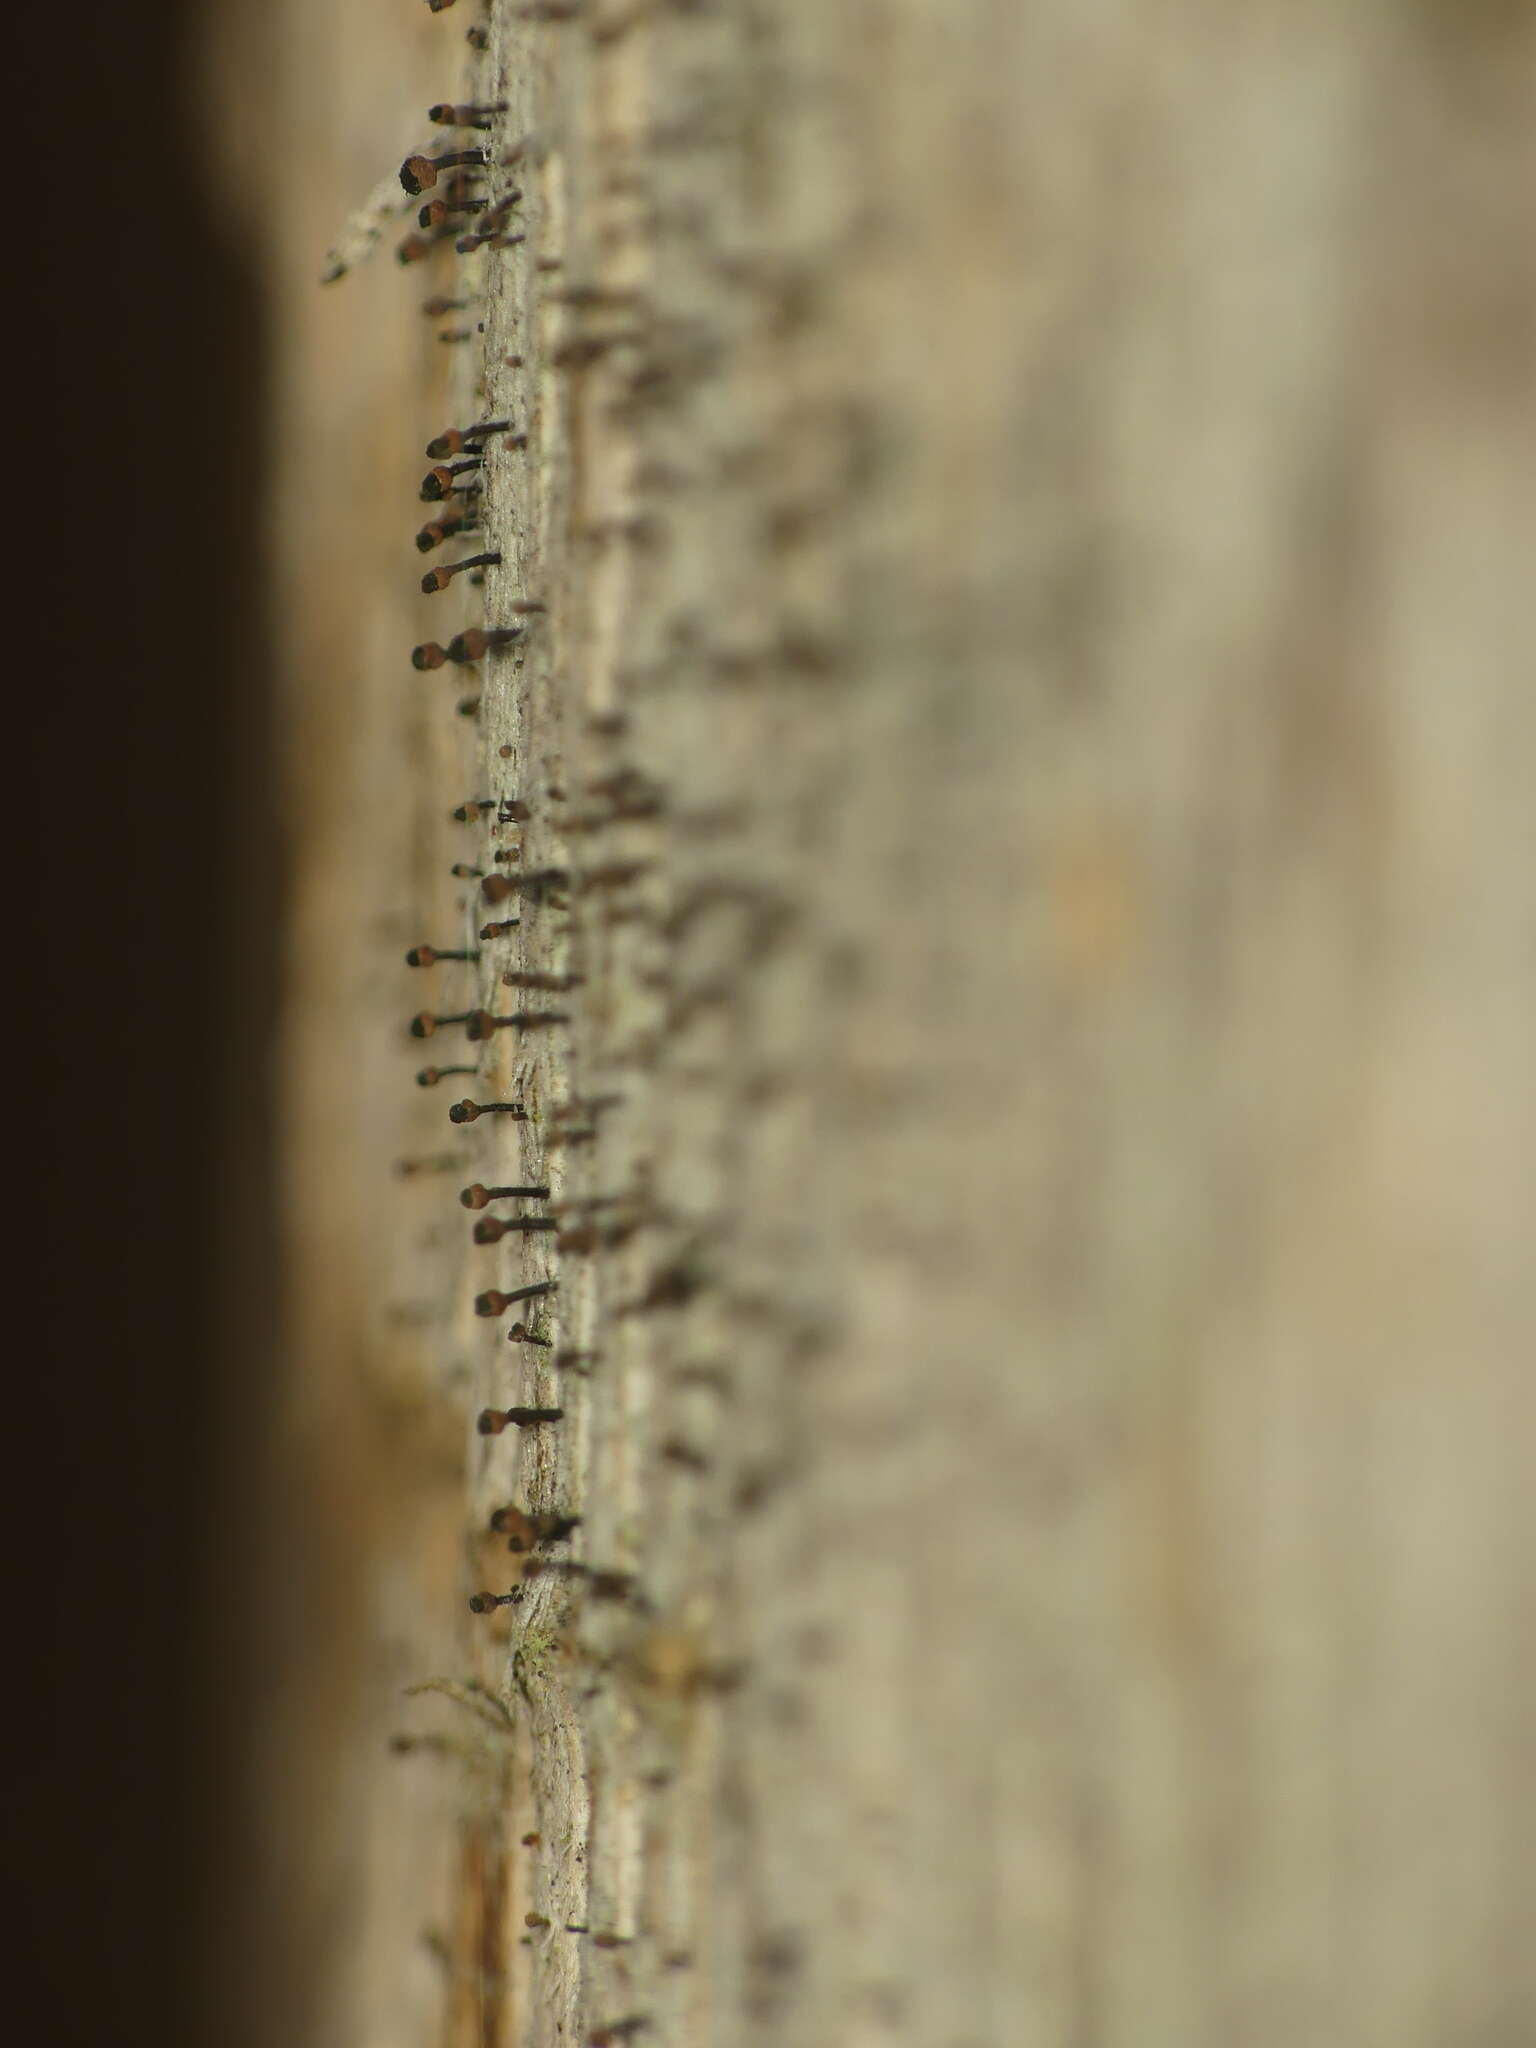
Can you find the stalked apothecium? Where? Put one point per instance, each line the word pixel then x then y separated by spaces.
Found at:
pixel 440 578
pixel 492 1229
pixel 480 640
pixel 423 1024
pixel 477 1196
pixel 492 1421
pixel 526 1530
pixel 429 1077
pixel 428 956
pixel 457 439
pixel 493 1302
pixel 468 1112
pixel 481 1023
pixel 438 212
pixel 445 116
pixel 442 481
pixel 434 533
pixel 429 655
pixel 419 174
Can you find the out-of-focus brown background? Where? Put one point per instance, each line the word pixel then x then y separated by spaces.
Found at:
pixel 1083 549
pixel 148 938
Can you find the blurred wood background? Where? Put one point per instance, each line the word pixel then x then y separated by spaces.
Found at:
pixel 1092 571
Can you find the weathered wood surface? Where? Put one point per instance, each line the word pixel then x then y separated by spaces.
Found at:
pixel 1053 500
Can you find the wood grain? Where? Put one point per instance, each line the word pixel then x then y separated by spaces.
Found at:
pixel 1043 496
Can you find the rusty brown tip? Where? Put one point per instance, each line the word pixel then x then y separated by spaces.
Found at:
pixel 418 173
pixel 463 1112
pixel 497 888
pixel 428 655
pixel 436 484
pixel 514 1523
pixel 491 1422
pixel 423 1024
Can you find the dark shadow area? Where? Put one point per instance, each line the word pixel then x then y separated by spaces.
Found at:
pixel 149 921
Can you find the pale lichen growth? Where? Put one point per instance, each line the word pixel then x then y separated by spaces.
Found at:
pixel 364 228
